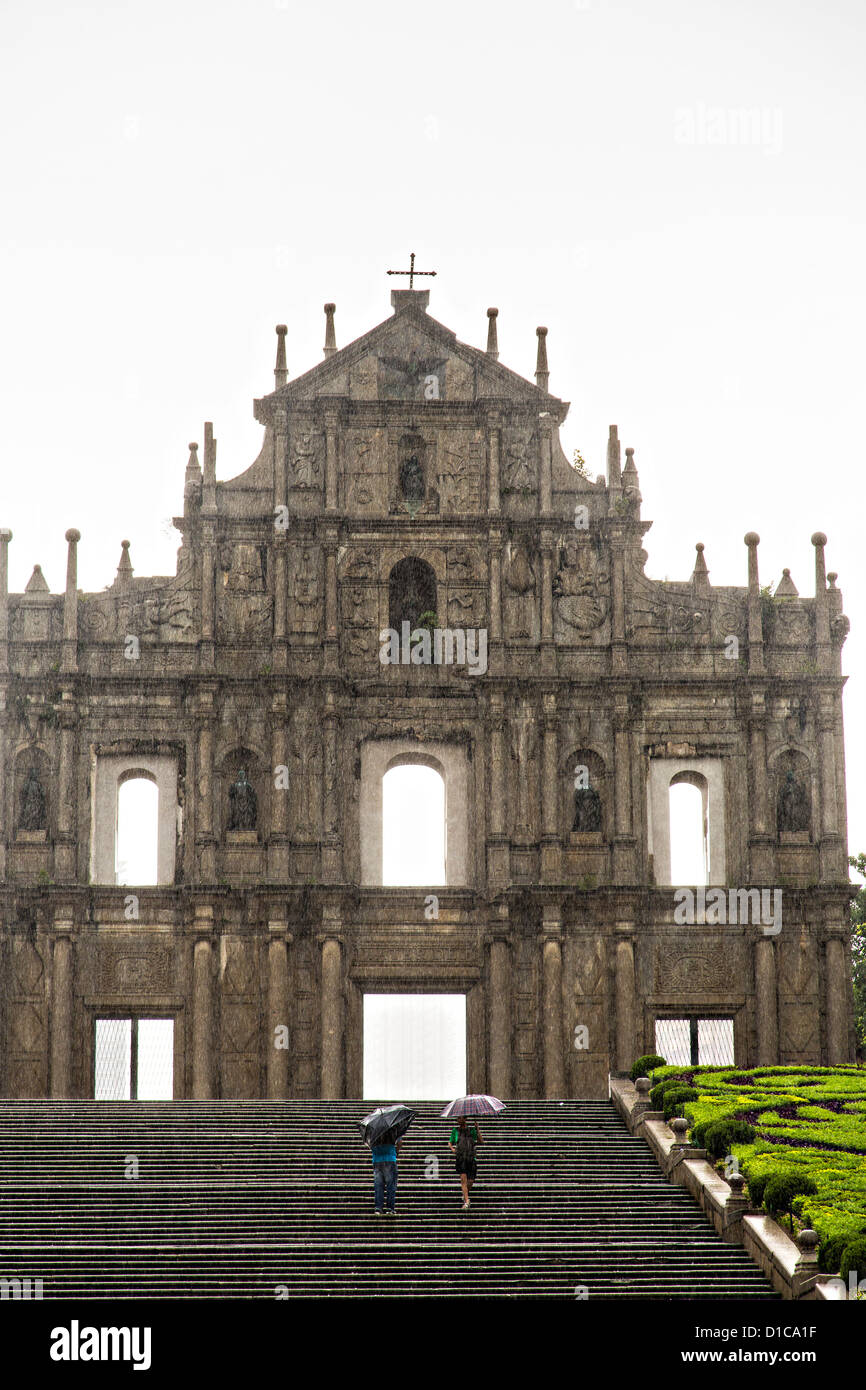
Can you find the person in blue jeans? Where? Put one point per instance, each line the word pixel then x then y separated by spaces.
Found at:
pixel 385 1176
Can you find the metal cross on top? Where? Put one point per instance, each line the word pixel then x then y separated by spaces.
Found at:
pixel 411 272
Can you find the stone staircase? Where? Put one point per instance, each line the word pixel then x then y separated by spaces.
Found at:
pixel 240 1199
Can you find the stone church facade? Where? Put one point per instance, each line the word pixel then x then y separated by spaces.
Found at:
pixel 411 479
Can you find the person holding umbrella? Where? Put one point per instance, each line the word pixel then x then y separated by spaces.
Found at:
pixel 463 1142
pixel 383 1131
pixel 465 1139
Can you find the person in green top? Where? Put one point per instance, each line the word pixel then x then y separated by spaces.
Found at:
pixel 463 1142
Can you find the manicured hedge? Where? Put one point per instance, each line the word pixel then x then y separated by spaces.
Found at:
pixel 820 1138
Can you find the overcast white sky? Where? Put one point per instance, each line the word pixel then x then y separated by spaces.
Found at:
pixel 177 178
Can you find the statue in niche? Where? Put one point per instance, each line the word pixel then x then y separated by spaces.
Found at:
pixel 32 803
pixel 305 460
pixel 587 809
pixel 307 592
pixel 243 804
pixel 793 807
pixel 412 481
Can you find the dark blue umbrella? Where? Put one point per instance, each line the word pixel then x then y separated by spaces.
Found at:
pixel 386 1125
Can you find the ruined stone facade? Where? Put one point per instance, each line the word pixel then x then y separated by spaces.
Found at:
pixel 262 653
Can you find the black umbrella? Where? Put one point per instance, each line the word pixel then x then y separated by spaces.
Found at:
pixel 386 1125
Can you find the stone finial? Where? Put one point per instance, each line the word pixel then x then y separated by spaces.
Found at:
pixel 124 567
pixel 5 534
pixel 614 477
pixel 492 336
pixel 330 337
pixel 680 1128
pixel 630 481
pixel 643 1086
pixel 752 540
pixel 819 540
pixel 37 583
pixel 700 573
pixel 736 1182
pixel 542 375
pixel 822 601
pixel 786 588
pixel 281 374
pixel 831 577
pixel 808 1240
pixel 192 478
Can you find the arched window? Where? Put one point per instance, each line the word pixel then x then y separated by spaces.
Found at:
pixel 137 837
pixel 413 826
pixel 690 857
pixel 411 592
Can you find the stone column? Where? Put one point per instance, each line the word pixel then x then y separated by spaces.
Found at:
pixel 280 547
pixel 550 792
pixel 70 603
pixel 208 599
pixel 281 457
pixel 619 655
pixel 499 1015
pixel 624 840
pixel 832 843
pixel 278 1009
pixel 332 1017
pixel 202 1006
pixel 331 632
pixel 495 656
pixel 554 1068
pixel 762 865
pixel 493 453
pixel 544 474
pixel 626 1047
pixel 330 461
pixel 278 837
pixel 5 538
pixel 205 791
pixel 65 850
pixel 63 961
pixel 497 848
pixel 838 991
pixel 331 836
pixel 766 1003
pixel 546 546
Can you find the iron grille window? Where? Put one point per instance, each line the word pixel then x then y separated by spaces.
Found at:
pixel 695 1042
pixel 134 1059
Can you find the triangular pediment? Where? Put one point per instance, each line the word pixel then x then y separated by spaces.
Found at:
pixel 409 357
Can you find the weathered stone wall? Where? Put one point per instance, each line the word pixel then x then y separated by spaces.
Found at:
pixel 263 653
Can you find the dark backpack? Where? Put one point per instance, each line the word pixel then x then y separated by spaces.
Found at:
pixel 465 1145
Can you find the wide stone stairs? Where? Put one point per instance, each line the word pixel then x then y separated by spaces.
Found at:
pixel 268 1199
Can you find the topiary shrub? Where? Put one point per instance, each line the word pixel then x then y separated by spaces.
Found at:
pixel 645 1065
pixel 717 1136
pixel 756 1185
pixel 660 1089
pixel 675 1099
pixel 854 1257
pixel 830 1254
pixel 781 1190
